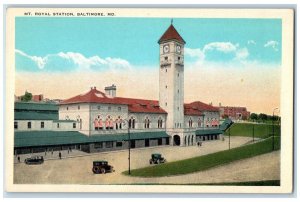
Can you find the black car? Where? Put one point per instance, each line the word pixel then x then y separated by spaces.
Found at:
pixel 34 160
pixel 156 159
pixel 102 167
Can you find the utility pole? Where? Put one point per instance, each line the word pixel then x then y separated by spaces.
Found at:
pixel 229 139
pixel 129 146
pixel 253 133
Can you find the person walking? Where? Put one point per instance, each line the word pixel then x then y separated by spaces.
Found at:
pixel 59 154
pixel 19 159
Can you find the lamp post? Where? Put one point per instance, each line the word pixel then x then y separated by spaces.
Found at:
pixel 129 144
pixel 273 143
pixel 253 133
pixel 229 138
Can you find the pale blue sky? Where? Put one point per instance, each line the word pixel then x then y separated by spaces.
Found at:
pixel 66 44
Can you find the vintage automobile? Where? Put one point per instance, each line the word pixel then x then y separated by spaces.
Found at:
pixel 157 159
pixel 34 160
pixel 102 167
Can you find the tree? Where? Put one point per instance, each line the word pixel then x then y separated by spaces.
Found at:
pixel 253 116
pixel 262 117
pixel 27 97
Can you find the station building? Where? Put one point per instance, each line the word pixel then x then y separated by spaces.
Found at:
pixel 101 121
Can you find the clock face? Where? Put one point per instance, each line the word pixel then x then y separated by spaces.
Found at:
pixel 166 49
pixel 178 48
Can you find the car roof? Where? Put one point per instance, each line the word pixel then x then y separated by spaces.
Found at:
pixel 99 161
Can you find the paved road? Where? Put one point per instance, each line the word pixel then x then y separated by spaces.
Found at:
pixel 77 170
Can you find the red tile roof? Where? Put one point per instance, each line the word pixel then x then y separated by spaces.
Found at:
pixel 134 105
pixel 170 34
pixel 196 108
pixel 137 105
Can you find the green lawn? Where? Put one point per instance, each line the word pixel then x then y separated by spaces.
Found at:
pixel 246 129
pixel 208 161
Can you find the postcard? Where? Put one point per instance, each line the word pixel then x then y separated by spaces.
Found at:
pixel 149 100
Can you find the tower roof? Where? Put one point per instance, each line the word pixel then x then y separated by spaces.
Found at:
pixel 170 34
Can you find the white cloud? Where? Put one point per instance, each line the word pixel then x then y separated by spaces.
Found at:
pixel 195 53
pixel 272 44
pixel 251 42
pixel 225 47
pixel 238 53
pixel 40 61
pixel 72 60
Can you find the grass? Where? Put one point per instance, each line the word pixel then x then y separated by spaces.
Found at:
pixel 205 162
pixel 260 130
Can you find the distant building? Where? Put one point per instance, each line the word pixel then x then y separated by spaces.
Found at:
pixel 38 98
pixel 234 113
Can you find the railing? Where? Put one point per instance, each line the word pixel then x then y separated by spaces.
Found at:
pixel 178 62
pixel 165 63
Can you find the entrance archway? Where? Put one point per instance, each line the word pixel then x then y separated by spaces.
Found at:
pixel 176 140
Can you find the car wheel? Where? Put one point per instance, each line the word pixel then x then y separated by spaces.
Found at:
pixel 102 170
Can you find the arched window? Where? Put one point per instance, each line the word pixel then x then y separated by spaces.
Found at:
pixel 199 122
pixel 190 122
pixel 133 123
pixel 159 122
pixel 129 123
pixel 96 124
pixel 107 123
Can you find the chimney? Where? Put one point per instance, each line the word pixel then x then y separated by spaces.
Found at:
pixel 111 90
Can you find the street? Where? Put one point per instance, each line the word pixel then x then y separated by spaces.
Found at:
pixel 76 167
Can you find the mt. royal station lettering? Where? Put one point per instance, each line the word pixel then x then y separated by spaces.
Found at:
pixel 79 14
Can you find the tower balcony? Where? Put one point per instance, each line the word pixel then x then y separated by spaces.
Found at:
pixel 164 63
pixel 179 62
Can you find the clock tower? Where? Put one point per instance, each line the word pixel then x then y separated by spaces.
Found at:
pixel 171 77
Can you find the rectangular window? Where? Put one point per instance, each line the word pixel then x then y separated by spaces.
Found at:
pixel 160 141
pixel 167 141
pixel 74 125
pixel 98 145
pixel 109 144
pixel 57 125
pixel 119 144
pixel 119 108
pixel 16 125
pixel 42 124
pixel 98 107
pixel 109 108
pixel 29 125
